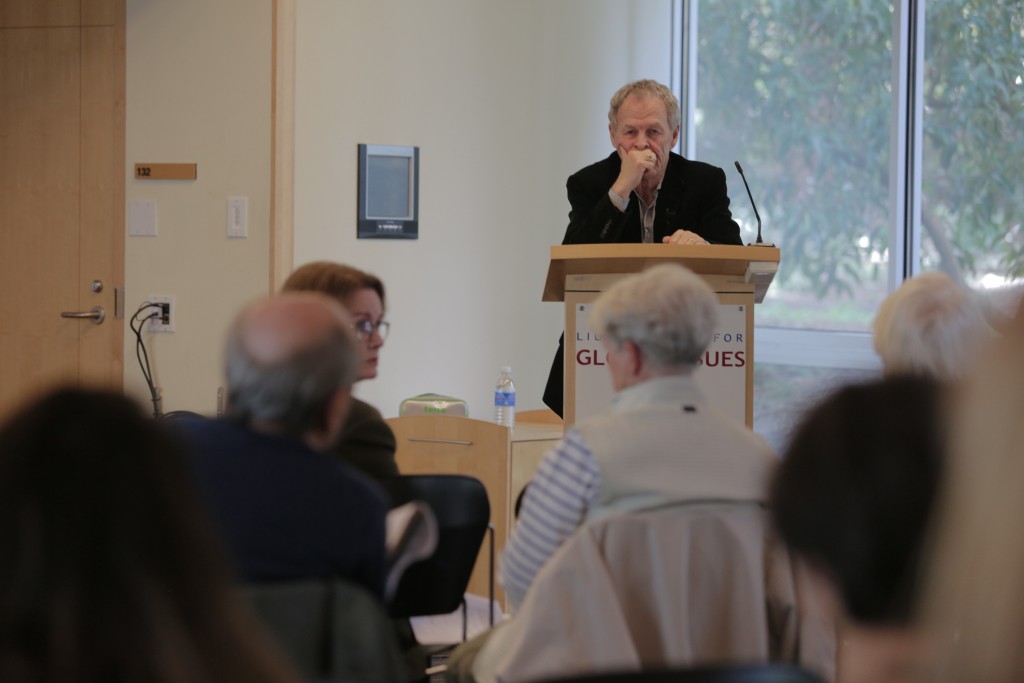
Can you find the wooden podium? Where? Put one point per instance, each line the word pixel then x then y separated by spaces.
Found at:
pixel 740 276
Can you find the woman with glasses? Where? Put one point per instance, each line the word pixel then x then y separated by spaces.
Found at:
pixel 366 442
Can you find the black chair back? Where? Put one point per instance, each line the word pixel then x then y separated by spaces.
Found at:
pixel 331 630
pixel 460 504
pixel 726 673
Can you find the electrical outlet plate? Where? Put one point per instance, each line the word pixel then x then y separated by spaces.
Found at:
pixel 155 323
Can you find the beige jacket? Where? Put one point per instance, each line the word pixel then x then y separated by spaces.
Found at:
pixel 662 444
pixel 702 582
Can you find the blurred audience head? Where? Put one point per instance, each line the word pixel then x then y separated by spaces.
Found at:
pixel 855 489
pixel 362 295
pixel 109 571
pixel 930 326
pixel 290 362
pixel 657 322
pixel 974 605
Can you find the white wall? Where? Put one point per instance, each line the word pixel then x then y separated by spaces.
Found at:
pixel 504 100
pixel 198 90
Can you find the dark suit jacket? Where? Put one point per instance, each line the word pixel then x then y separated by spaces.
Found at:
pixel 367 443
pixel 693 196
pixel 284 510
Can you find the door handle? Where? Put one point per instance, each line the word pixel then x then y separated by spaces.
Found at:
pixel 97 315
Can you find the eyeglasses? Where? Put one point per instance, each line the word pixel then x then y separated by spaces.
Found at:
pixel 364 329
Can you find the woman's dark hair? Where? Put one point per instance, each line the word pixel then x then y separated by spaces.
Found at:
pixel 855 490
pixel 108 567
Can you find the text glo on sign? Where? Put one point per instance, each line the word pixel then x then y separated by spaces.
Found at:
pixel 721 373
pixel 711 359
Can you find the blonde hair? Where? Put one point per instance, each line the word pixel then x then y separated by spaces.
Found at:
pixel 929 326
pixel 974 601
pixel 643 89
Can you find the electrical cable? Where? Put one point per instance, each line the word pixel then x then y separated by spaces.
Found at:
pixel 140 351
pixel 142 355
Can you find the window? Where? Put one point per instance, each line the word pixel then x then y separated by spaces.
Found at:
pixel 784 392
pixel 972 215
pixel 799 93
pixel 880 139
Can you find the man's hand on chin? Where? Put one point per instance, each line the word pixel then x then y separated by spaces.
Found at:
pixel 635 163
pixel 684 237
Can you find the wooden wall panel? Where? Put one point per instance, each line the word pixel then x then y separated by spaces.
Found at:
pixel 39 13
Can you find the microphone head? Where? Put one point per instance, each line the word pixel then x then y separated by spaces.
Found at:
pixel 738 167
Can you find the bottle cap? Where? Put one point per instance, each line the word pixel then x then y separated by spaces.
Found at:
pixel 507 370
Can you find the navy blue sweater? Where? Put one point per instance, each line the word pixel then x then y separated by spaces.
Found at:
pixel 284 510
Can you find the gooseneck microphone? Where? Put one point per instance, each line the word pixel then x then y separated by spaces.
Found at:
pixel 756 214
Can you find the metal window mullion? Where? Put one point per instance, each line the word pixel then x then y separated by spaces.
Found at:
pixel 905 155
pixel 684 72
pixel 913 264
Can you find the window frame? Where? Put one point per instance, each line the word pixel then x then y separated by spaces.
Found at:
pixel 816 348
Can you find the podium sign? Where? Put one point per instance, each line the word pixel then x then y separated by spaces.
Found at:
pixel 739 275
pixel 722 375
pixel 593 381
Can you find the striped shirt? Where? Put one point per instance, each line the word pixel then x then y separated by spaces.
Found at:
pixel 556 503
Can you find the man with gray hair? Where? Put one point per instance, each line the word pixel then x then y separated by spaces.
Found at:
pixel 643 191
pixel 660 443
pixel 286 509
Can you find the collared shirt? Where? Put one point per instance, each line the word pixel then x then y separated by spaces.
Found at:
pixel 647 217
pixel 646 212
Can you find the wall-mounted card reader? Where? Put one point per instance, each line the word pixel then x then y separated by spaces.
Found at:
pixel 388 191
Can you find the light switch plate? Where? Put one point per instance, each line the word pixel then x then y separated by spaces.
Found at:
pixel 142 217
pixel 238 219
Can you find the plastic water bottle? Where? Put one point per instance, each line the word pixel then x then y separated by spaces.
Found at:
pixel 505 399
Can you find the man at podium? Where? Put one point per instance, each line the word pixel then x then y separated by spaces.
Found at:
pixel 644 192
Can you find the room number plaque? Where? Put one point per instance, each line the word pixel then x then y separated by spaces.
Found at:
pixel 165 171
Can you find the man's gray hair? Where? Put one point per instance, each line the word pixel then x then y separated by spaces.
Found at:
pixel 668 311
pixel 291 393
pixel 645 88
pixel 930 326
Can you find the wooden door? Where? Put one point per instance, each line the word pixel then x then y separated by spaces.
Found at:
pixel 61 193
